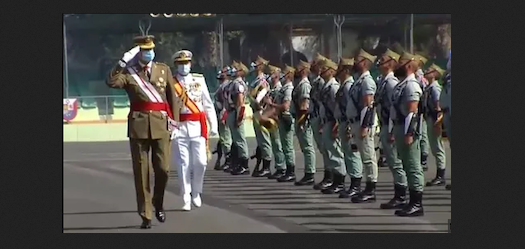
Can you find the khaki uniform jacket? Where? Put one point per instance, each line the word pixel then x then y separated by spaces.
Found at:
pixel 149 124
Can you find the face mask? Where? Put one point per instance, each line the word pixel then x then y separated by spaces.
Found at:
pixel 184 69
pixel 147 55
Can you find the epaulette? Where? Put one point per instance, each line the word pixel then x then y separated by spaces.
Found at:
pixel 197 75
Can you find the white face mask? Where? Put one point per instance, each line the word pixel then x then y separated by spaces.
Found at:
pixel 184 69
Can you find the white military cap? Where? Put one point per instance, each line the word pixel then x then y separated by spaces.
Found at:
pixel 182 55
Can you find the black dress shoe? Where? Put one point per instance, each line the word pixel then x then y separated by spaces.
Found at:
pixel 242 169
pixel 414 207
pixel 146 224
pixel 337 186
pixel 308 179
pixel 161 216
pixel 368 195
pixel 277 174
pixel 265 171
pixel 399 200
pixel 448 187
pixel 326 182
pixel 439 180
pixel 353 190
pixel 289 176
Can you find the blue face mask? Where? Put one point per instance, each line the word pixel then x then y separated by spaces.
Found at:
pixel 147 55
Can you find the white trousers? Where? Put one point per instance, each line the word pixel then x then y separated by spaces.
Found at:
pixel 190 156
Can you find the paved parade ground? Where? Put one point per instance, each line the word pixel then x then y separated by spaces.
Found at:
pixel 99 197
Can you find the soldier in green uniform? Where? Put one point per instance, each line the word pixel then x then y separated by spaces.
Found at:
pixel 446 104
pixel 383 100
pixel 277 148
pixel 404 113
pixel 423 83
pixel 225 137
pixel 236 119
pixel 315 120
pixel 363 122
pixel 331 142
pixel 149 86
pixel 303 129
pixel 258 88
pixel 286 124
pixel 352 158
pixel 433 116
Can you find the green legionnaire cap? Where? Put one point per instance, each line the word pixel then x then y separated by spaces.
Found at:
pixel 145 42
pixel 261 60
pixel 366 55
pixel 407 57
pixel 395 56
pixel 346 61
pixel 302 65
pixel 328 64
pixel 287 69
pixel 437 69
pixel 421 59
pixel 273 69
pixel 239 66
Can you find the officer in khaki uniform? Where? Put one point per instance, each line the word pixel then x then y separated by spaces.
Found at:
pixel 383 100
pixel 149 86
pixel 277 148
pixel 236 119
pixel 315 120
pixel 407 131
pixel 354 166
pixel 423 83
pixel 363 120
pixel 331 142
pixel 303 129
pixel 434 116
pixel 286 125
pixel 225 137
pixel 258 88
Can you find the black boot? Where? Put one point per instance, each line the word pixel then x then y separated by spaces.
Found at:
pixel 326 182
pixel 234 159
pixel 399 200
pixel 353 190
pixel 146 224
pixel 308 179
pixel 227 162
pixel 337 187
pixel 242 169
pixel 448 187
pixel 424 158
pixel 265 172
pixel 414 207
pixel 257 167
pixel 368 195
pixel 439 180
pixel 218 151
pixel 290 174
pixel 277 174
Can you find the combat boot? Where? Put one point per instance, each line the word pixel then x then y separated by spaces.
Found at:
pixel 399 200
pixel 353 190
pixel 277 174
pixel 439 180
pixel 290 174
pixel 218 151
pixel 424 165
pixel 337 186
pixel 234 160
pixel 368 195
pixel 257 156
pixel 242 168
pixel 227 162
pixel 265 172
pixel 414 207
pixel 308 179
pixel 326 182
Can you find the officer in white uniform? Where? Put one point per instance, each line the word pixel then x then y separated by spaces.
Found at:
pixel 189 146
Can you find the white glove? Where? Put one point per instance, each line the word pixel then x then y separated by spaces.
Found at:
pixel 213 133
pixel 172 136
pixel 130 54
